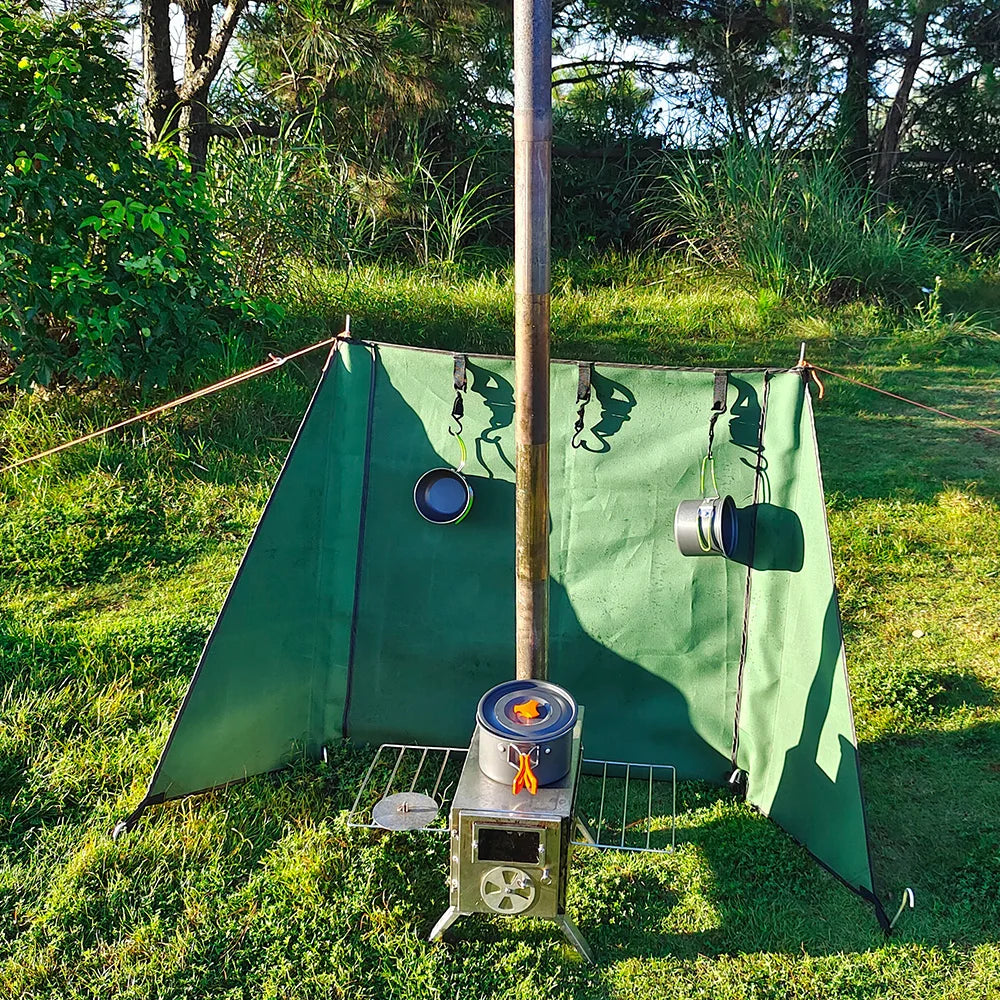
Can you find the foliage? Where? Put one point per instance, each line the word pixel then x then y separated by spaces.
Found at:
pixel 448 207
pixel 601 135
pixel 603 111
pixel 277 201
pixel 372 67
pixel 796 225
pixel 288 201
pixel 108 263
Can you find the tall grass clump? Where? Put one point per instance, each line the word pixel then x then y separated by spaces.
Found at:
pixel 298 199
pixel 450 205
pixel 795 226
pixel 279 200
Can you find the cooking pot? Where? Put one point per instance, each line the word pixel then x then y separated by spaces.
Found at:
pixel 706 527
pixel 444 496
pixel 526 733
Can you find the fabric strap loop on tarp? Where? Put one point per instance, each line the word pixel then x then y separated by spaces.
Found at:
pixel 460 382
pixel 583 390
pixel 460 376
pixel 720 390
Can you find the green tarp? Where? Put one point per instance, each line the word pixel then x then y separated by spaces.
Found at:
pixel 352 616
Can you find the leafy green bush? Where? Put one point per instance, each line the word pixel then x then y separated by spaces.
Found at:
pixel 795 226
pixel 108 263
pixel 604 135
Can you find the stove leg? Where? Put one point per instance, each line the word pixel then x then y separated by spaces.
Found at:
pixel 584 832
pixel 575 938
pixel 447 919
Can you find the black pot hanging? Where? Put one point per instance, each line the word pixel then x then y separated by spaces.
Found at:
pixel 444 496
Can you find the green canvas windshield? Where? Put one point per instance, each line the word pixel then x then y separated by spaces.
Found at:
pixel 353 616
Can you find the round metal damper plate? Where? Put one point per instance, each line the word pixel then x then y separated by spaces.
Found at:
pixel 507 890
pixel 405 811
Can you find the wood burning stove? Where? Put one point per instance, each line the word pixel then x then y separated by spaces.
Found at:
pixel 509 851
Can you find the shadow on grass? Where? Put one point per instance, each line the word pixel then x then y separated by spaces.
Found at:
pixel 873 447
pixel 934 807
pixel 742 886
pixel 258 875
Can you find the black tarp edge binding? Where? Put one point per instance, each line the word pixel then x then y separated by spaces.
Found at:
pixel 871 897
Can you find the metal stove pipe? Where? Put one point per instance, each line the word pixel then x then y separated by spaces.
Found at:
pixel 532 185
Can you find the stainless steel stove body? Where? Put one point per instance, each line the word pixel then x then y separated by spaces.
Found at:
pixel 509 854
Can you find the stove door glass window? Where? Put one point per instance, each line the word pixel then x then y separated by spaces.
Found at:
pixel 509 844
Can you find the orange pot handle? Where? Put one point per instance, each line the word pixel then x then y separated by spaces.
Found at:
pixel 525 777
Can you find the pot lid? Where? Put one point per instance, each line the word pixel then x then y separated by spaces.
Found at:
pixel 526 710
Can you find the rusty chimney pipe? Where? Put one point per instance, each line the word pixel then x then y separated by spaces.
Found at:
pixel 532 184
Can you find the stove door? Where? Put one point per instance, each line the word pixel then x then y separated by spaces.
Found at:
pixel 510 866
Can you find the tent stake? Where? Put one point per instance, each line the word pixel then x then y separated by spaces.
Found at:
pixel 532 184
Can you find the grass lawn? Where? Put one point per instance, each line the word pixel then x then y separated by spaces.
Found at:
pixel 115 556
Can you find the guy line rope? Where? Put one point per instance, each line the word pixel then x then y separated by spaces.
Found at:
pixel 274 363
pixel 270 365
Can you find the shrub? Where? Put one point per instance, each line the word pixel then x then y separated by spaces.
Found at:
pixel 108 264
pixel 794 226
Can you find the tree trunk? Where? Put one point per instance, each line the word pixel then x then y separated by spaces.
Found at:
pixel 160 103
pixel 856 98
pixel 167 104
pixel 194 115
pixel 888 154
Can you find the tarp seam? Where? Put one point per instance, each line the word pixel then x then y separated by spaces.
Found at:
pixel 362 518
pixel 744 642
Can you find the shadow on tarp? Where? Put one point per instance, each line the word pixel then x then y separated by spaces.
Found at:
pixel 498 395
pixel 416 576
pixel 778 539
pixel 616 402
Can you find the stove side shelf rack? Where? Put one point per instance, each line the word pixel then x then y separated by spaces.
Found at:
pixel 627 806
pixel 431 771
pixel 621 805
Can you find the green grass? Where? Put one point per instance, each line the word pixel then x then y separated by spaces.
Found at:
pixel 115 556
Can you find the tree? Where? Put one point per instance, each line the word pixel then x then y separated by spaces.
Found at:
pixel 170 104
pixel 373 67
